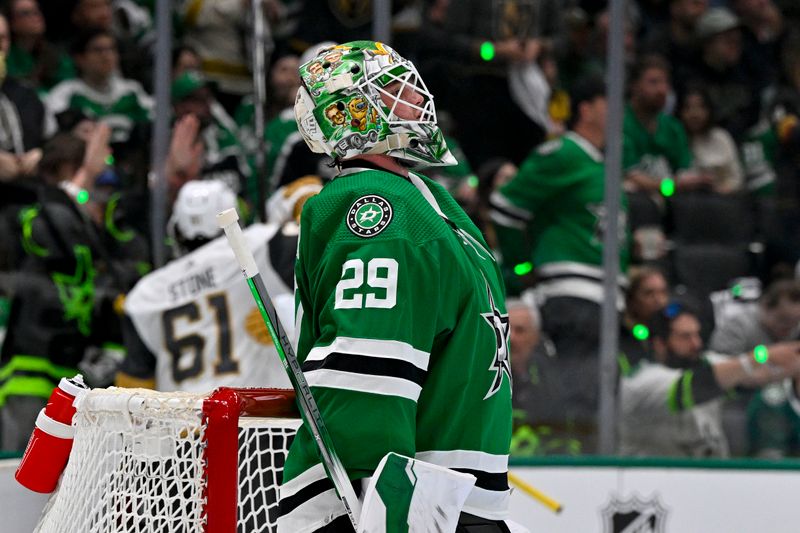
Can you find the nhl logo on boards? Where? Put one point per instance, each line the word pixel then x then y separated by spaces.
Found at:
pixel 369 215
pixel 634 516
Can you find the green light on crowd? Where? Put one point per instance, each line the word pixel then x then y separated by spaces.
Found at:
pixel 110 160
pixel 667 187
pixel 82 197
pixel 523 268
pixel 760 354
pixel 487 51
pixel 641 332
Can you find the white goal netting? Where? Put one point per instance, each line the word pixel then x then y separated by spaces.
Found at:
pixel 140 464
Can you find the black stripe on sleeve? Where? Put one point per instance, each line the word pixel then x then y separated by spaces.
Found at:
pixel 513 216
pixel 375 366
pixel 30 374
pixel 287 505
pixel 704 384
pixel 487 480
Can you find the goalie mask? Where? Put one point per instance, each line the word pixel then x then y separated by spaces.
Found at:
pixel 193 221
pixel 362 98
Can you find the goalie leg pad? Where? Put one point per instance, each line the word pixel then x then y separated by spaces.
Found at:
pixel 406 495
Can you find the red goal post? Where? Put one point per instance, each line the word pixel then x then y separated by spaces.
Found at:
pixel 174 462
pixel 222 410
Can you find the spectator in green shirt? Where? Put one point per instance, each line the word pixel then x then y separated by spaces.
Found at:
pixel 655 144
pixel 100 92
pixel 32 58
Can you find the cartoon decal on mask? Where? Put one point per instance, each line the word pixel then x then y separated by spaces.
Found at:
pixel 335 114
pixel 355 142
pixel 343 110
pixel 359 109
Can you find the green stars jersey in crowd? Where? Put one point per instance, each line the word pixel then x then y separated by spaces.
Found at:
pixel 122 105
pixel 280 137
pixel 403 337
pixel 552 213
pixel 660 154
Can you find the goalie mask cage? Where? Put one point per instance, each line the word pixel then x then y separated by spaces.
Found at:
pixel 145 462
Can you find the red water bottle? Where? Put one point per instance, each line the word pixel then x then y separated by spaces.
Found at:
pixel 48 448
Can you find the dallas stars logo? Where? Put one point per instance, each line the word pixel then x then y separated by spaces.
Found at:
pixel 369 215
pixel 501 364
pixel 601 223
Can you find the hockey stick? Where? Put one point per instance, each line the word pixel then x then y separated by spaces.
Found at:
pixel 228 220
pixel 535 493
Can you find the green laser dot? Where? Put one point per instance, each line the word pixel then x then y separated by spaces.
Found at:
pixel 640 332
pixel 736 290
pixel 523 268
pixel 487 51
pixel 667 187
pixel 760 354
pixel 472 181
pixel 110 160
pixel 82 197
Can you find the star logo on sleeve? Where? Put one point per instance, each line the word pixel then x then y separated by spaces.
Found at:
pixel 369 215
pixel 501 363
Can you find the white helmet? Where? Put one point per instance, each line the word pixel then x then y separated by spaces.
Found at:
pixel 195 210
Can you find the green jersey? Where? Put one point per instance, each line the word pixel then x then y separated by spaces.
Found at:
pixel 224 156
pixel 660 154
pixel 286 159
pixel 22 65
pixel 453 177
pixel 403 338
pixel 122 104
pixel 552 216
pixel 282 138
pixel 759 151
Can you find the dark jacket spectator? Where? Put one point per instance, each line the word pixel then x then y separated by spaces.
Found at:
pixel 732 83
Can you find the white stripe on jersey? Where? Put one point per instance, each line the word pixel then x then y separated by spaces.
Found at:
pixel 491 504
pixel 496 199
pixel 473 460
pixel 315 473
pixel 426 193
pixel 566 268
pixel 299 312
pixel 499 218
pixel 372 348
pixel 590 149
pixel 383 385
pixel 313 513
pixel 574 287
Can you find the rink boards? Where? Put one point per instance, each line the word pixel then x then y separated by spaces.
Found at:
pixel 599 495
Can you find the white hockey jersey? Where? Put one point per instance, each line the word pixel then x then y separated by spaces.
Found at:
pixel 198 319
pixel 648 427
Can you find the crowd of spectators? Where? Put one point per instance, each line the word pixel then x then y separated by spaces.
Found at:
pixel 710 200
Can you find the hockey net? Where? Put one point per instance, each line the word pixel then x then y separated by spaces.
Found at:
pixel 145 461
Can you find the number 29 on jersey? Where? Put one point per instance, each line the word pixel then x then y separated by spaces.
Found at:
pixel 378 289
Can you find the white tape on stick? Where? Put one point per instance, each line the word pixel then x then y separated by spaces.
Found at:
pixel 228 220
